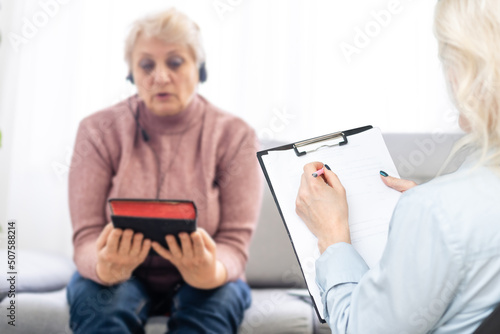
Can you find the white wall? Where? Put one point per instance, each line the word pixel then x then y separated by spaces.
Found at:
pixel 6 118
pixel 278 64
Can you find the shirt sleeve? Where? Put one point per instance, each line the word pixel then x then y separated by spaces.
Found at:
pixel 89 182
pixel 240 184
pixel 411 287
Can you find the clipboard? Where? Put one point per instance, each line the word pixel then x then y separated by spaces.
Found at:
pixel 328 147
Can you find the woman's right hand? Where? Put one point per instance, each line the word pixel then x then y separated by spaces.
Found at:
pixel 119 253
pixel 400 185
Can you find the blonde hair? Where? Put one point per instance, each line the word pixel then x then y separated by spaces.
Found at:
pixel 468 34
pixel 170 26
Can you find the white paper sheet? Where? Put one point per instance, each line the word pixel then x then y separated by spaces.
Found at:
pixel 371 203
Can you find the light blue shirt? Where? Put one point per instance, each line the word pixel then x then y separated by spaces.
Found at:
pixel 440 270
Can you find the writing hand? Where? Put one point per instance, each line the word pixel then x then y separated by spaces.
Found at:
pixel 322 204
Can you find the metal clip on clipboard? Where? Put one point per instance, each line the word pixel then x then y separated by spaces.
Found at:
pixel 314 144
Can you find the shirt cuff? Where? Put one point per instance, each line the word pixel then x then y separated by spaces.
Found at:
pixel 340 263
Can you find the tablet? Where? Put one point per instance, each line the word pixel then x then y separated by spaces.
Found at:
pixel 154 218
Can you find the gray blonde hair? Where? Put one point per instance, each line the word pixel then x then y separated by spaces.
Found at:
pixel 170 26
pixel 468 34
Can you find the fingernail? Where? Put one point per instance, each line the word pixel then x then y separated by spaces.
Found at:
pixel 384 174
pixel 327 167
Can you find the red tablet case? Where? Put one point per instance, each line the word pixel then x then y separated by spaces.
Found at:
pixel 154 218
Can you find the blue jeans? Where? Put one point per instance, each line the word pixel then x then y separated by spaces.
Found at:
pixel 125 307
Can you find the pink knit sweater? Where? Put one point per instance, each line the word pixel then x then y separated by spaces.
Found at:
pixel 201 154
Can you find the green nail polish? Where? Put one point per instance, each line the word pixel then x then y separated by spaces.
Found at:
pixel 384 174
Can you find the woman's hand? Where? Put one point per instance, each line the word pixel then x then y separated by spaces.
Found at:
pixel 400 185
pixel 195 259
pixel 322 205
pixel 119 253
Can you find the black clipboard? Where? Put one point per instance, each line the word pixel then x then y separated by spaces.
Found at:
pixel 301 148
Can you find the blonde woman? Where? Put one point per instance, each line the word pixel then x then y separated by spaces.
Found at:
pixel 166 142
pixel 440 270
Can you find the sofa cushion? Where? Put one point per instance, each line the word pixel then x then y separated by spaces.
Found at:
pixel 274 311
pixel 38 313
pixel 38 272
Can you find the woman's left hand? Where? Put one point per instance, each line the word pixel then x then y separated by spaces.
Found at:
pixel 195 259
pixel 322 205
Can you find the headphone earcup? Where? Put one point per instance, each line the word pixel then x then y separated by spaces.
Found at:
pixel 203 73
pixel 130 78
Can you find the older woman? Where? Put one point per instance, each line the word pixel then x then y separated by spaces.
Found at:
pixel 166 142
pixel 440 270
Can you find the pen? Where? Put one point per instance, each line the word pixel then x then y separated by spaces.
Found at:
pixel 319 172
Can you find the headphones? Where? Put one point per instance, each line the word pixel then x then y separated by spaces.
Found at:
pixel 202 73
pixel 144 134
